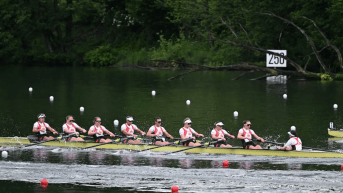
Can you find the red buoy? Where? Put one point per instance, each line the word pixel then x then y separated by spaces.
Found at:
pixel 341 167
pixel 175 189
pixel 225 164
pixel 44 183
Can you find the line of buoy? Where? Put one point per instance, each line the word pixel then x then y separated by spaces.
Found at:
pixel 153 93
pixel 335 106
pixel 235 114
pixel 82 109
pixel 188 102
pixel 174 189
pixel 30 89
pixel 44 183
pixel 51 98
pixel 293 128
pixel 284 96
pixel 225 164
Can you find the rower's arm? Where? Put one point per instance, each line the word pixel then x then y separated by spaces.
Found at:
pixel 168 135
pixel 258 138
pixel 35 130
pixel 149 134
pixel 90 132
pixel 198 135
pixel 127 133
pixel 240 136
pixel 231 136
pixel 109 133
pixel 140 131
pixel 81 129
pixel 215 137
pixel 183 137
pixel 52 130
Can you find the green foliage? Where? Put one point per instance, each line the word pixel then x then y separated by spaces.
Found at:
pixel 101 56
pixel 325 77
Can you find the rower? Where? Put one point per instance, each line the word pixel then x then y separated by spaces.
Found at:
pixel 40 127
pixel 245 134
pixel 128 129
pixel 97 130
pixel 186 134
pixel 294 142
pixel 156 131
pixel 70 127
pixel 218 134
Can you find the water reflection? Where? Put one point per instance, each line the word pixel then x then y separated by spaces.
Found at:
pixel 246 165
pixel 40 155
pixel 157 162
pixel 96 157
pixel 294 166
pixel 186 163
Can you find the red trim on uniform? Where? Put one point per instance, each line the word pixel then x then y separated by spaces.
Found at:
pixel 298 142
pixel 72 125
pixel 39 126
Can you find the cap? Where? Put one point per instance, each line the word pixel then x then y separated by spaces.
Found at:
pixel 188 121
pixel 42 115
pixel 129 118
pixel 220 124
pixel 290 134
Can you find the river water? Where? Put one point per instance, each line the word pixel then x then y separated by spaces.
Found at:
pixel 114 93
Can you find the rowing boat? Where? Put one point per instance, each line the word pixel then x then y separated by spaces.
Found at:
pixel 15 141
pixel 335 133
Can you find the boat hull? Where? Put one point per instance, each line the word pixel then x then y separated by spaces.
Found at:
pixel 211 150
pixel 335 133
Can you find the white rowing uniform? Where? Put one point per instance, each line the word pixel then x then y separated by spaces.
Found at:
pixel 246 133
pixel 41 126
pixel 157 130
pixel 71 127
pixel 295 141
pixel 95 129
pixel 187 133
pixel 129 128
pixel 220 133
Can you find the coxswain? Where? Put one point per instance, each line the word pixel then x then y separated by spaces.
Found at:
pixel 156 132
pixel 294 142
pixel 246 134
pixel 218 134
pixel 40 127
pixel 70 127
pixel 128 130
pixel 186 134
pixel 97 131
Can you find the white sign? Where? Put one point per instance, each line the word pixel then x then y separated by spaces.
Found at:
pixel 276 61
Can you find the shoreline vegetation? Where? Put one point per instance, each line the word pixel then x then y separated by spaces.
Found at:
pixel 176 34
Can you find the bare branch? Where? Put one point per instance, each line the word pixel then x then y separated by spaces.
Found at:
pixel 261 77
pixel 182 74
pixel 294 64
pixel 232 31
pixel 328 43
pixel 245 33
pixel 244 73
pixel 309 58
pixel 303 32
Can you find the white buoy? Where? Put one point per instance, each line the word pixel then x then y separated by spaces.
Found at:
pixel 188 102
pixel 4 154
pixel 51 98
pixel 153 93
pixel 82 109
pixel 235 114
pixel 30 89
pixel 293 128
pixel 335 106
pixel 284 96
pixel 116 122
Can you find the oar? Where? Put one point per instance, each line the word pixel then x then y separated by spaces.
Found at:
pixel 304 147
pixel 157 147
pixel 185 149
pixel 57 138
pixel 100 144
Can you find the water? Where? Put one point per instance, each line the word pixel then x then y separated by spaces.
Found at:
pixel 113 93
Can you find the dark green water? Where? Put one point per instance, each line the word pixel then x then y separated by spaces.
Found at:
pixel 113 93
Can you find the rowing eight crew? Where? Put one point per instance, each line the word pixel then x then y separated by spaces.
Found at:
pixel 156 132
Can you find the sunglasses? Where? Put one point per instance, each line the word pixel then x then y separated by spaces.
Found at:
pixel 71 120
pixel 189 123
pixel 249 125
pixel 220 125
pixel 129 121
pixel 98 121
pixel 159 121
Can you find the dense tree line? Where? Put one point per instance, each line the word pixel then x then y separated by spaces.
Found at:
pixel 105 32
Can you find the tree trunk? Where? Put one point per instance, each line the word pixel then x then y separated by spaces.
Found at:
pixel 58 27
pixel 47 42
